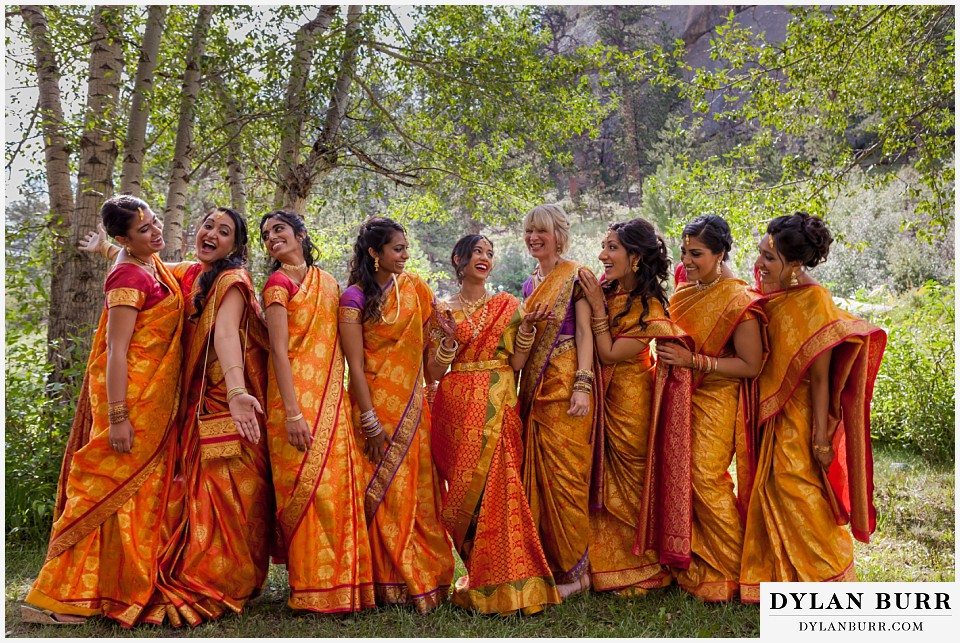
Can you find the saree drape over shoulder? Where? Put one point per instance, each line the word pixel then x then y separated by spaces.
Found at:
pixel 103 548
pixel 221 510
pixel 621 453
pixel 720 415
pixel 412 557
pixel 557 446
pixel 795 522
pixel 477 448
pixel 319 492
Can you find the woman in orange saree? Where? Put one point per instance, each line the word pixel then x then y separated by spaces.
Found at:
pixel 556 402
pixel 384 331
pixel 814 459
pixel 316 465
pixel 477 446
pixel 116 471
pixel 221 511
pixel 628 312
pixel 722 317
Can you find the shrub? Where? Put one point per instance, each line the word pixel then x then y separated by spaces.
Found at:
pixel 913 401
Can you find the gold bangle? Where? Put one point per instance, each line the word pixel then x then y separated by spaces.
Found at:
pixel 235 391
pixel 820 448
pixel 298 416
pixel 118 415
pixel 105 249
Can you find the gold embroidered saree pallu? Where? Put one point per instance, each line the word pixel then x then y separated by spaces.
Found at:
pixel 478 451
pixel 217 555
pixel 319 493
pixel 104 541
pixel 621 455
pixel 719 418
pixel 792 494
pixel 412 557
pixel 557 447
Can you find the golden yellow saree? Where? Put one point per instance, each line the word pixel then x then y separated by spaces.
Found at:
pixel 477 448
pixel 621 454
pixel 412 557
pixel 221 516
pixel 720 415
pixel 319 492
pixel 557 447
pixel 795 522
pixel 104 543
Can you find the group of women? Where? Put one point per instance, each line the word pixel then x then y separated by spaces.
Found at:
pixel 581 438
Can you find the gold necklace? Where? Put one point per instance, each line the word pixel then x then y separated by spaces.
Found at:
pixel 396 291
pixel 149 266
pixel 293 266
pixel 701 287
pixel 470 307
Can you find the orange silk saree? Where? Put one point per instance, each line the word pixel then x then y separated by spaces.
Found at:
pixel 720 414
pixel 621 454
pixel 557 447
pixel 319 493
pixel 412 556
pixel 795 522
pixel 477 448
pixel 221 520
pixel 102 554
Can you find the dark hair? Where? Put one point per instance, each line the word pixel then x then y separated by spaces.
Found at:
pixel 800 237
pixel 639 237
pixel 118 212
pixel 463 249
pixel 713 232
pixel 235 259
pixel 296 222
pixel 374 233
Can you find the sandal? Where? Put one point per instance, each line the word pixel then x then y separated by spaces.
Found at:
pixel 40 616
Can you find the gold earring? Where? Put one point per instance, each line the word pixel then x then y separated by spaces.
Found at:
pixel 636 265
pixel 794 281
pixel 719 267
pixel 376 264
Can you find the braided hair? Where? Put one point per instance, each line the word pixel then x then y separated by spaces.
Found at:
pixel 374 233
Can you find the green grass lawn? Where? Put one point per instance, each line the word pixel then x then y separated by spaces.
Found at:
pixel 914 542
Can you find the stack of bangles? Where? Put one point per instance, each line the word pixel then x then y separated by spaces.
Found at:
pixel 235 391
pixel 445 355
pixel 600 325
pixel 524 341
pixel 105 249
pixel 704 363
pixel 117 411
pixel 583 381
pixel 370 423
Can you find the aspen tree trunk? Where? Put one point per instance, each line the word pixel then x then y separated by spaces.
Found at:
pixel 76 292
pixel 324 154
pixel 175 210
pixel 295 113
pixel 131 175
pixel 235 174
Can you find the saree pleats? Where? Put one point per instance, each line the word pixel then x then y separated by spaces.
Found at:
pixel 319 493
pixel 412 557
pixel 718 422
pixel 795 528
pixel 557 447
pixel 621 455
pixel 478 451
pixel 103 547
pixel 217 555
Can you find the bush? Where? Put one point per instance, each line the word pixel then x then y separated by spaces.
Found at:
pixel 913 402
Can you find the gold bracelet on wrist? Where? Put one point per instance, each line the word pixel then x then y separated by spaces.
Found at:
pixel 235 391
pixel 294 418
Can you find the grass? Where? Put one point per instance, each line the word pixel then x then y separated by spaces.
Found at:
pixel 914 542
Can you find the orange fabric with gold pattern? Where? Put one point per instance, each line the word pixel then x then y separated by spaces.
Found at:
pixel 104 542
pixel 412 557
pixel 319 493
pixel 220 522
pixel 792 494
pixel 477 448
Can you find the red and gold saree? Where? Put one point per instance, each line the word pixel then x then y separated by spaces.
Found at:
pixel 477 448
pixel 557 447
pixel 220 516
pixel 319 492
pixel 795 522
pixel 412 556
pixel 103 548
